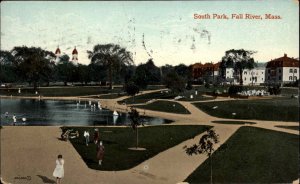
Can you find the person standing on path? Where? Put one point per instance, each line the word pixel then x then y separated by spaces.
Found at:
pixel 87 137
pixel 96 136
pixel 15 120
pixel 100 152
pixel 58 172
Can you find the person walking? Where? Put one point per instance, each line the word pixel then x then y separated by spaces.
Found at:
pixel 96 136
pixel 87 137
pixel 15 120
pixel 58 172
pixel 100 152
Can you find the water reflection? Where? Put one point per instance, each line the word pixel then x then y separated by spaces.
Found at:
pixel 50 112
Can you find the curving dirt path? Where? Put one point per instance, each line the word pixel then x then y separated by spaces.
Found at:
pixel 31 151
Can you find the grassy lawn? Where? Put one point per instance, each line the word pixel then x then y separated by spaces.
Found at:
pixel 253 155
pixel 289 127
pixel 117 141
pixel 61 91
pixel 147 97
pixel 233 122
pixel 277 109
pixel 165 106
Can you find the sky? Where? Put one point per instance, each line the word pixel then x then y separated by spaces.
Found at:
pixel 163 30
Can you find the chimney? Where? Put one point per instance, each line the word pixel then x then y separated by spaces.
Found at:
pixel 285 55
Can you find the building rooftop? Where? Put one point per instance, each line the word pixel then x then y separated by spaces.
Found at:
pixel 284 61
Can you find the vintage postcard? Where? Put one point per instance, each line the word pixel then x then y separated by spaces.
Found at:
pixel 149 92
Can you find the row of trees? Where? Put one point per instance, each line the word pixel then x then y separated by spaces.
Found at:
pixel 109 62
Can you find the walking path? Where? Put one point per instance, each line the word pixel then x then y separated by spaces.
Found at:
pixel 31 151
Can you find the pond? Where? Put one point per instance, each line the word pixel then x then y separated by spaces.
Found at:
pixel 51 112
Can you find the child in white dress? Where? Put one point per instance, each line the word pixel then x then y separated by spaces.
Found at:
pixel 59 169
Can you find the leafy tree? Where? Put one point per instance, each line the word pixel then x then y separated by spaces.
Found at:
pixel 182 70
pixel 205 146
pixel 33 63
pixel 135 118
pixel 97 72
pixel 112 56
pixel 146 74
pixel 131 89
pixel 83 73
pixel 66 70
pixel 239 60
pixel 174 82
pixel 8 71
pixel 166 69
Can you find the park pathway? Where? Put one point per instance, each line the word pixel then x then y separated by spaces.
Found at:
pixel 31 151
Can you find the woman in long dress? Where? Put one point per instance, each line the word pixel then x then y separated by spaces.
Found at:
pixel 100 152
pixel 59 169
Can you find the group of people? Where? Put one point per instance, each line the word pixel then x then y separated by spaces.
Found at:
pixel 58 172
pixel 14 117
pixel 99 144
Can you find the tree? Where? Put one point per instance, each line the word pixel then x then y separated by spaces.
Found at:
pixel 83 73
pixel 205 146
pixel 238 59
pixel 134 116
pixel 131 89
pixel 112 56
pixel 66 70
pixel 146 74
pixel 7 68
pixel 33 63
pixel 174 82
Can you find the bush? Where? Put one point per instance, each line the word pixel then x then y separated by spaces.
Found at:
pixel 207 85
pixel 274 90
pixel 233 90
pixel 189 86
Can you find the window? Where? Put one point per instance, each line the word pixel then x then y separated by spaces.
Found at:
pixel 269 77
pixel 279 70
pixel 250 78
pixel 262 72
pixel 262 79
pixel 295 78
pixel 290 78
pixel 291 70
pixel 245 73
pixel 245 78
pixel 279 77
pixel 295 70
pixel 269 71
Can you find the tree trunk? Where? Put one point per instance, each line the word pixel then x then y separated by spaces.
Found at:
pixel 241 77
pixel 137 137
pixel 35 85
pixel 211 177
pixel 110 75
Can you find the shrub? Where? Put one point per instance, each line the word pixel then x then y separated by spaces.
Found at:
pixel 233 90
pixel 207 85
pixel 274 90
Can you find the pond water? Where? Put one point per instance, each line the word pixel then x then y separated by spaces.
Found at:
pixel 48 112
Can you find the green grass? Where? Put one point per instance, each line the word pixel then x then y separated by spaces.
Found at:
pixel 289 127
pixel 277 109
pixel 165 106
pixel 60 91
pixel 253 155
pixel 233 122
pixel 117 141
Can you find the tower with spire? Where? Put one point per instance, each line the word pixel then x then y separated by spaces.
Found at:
pixel 57 54
pixel 75 56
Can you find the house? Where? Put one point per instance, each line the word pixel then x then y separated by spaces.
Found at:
pixel 282 70
pixel 255 76
pixel 207 72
